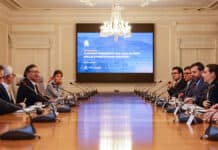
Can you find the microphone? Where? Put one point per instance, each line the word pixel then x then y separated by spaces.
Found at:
pixel 156 83
pixel 72 101
pixel 71 83
pixel 159 88
pixel 160 81
pixel 161 93
pixel 56 86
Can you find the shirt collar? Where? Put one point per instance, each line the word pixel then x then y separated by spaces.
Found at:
pixel 5 85
pixel 214 82
pixel 189 82
pixel 198 81
pixel 33 83
pixel 178 80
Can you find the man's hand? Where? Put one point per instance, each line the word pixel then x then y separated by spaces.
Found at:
pixel 23 105
pixel 206 104
pixel 189 100
pixel 215 106
pixel 169 84
pixel 180 95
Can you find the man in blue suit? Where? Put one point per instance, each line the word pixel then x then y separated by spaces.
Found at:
pixel 199 86
pixel 187 92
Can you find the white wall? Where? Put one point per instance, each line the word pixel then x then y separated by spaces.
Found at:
pixel 48 39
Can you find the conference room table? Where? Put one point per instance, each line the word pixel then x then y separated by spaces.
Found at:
pixel 109 121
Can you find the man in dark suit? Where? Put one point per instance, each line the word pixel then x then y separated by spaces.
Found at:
pixel 188 91
pixel 210 76
pixel 28 91
pixel 199 86
pixel 180 83
pixel 5 89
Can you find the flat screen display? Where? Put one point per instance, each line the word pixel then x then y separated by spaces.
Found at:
pixel 105 55
pixel 105 59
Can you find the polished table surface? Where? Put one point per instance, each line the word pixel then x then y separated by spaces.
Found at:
pixel 110 121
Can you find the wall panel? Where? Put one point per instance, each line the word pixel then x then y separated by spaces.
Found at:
pixel 48 38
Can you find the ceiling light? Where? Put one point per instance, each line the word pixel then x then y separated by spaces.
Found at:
pixel 116 26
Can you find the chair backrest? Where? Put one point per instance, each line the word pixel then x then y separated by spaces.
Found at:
pixel 15 84
pixel 41 85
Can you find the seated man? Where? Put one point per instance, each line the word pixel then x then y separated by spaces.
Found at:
pixel 188 91
pixel 54 86
pixel 180 84
pixel 210 76
pixel 198 86
pixel 28 91
pixel 5 89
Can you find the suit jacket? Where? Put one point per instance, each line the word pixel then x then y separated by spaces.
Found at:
pixel 212 93
pixel 4 95
pixel 200 91
pixel 189 90
pixel 53 92
pixel 178 88
pixel 25 92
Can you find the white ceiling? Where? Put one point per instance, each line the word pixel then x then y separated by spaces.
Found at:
pixel 108 3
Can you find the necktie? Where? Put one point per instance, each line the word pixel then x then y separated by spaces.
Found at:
pixel 12 96
pixel 36 89
pixel 190 88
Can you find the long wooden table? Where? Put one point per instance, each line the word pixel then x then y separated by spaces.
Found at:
pixel 112 121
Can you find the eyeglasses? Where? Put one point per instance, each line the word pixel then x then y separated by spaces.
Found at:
pixel 187 73
pixel 34 71
pixel 10 75
pixel 174 73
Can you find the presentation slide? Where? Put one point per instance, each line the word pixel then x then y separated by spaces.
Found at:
pixel 97 54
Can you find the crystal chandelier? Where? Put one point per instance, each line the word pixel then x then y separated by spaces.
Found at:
pixel 116 26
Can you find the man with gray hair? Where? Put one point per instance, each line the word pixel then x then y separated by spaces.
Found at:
pixel 5 90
